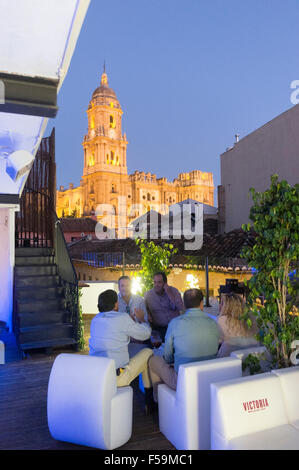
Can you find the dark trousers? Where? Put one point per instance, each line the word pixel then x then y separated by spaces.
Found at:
pixel 161 329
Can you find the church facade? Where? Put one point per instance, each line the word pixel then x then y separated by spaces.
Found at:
pixel 105 177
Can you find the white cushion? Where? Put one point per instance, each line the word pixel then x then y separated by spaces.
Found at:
pixel 245 406
pixel 84 405
pixel 289 381
pixel 184 415
pixel 280 438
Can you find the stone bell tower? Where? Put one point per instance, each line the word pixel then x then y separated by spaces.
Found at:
pixel 105 147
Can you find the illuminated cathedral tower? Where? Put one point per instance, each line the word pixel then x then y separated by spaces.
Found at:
pixel 105 147
pixel 105 176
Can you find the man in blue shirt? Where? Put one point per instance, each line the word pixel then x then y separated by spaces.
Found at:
pixel 191 337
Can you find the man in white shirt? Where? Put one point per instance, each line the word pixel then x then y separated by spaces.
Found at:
pixel 128 302
pixel 110 333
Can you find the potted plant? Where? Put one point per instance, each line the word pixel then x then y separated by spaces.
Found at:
pixel 274 257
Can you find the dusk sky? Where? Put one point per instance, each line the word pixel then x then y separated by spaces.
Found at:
pixel 189 75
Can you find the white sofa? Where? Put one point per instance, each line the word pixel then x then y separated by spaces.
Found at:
pixel 289 381
pixel 184 414
pixel 2 353
pixel 249 413
pixel 84 405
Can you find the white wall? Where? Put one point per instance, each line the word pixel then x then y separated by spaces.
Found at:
pixel 7 259
pixel 273 148
pixel 89 299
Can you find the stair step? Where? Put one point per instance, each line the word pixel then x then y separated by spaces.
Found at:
pixel 31 319
pixel 34 260
pixel 34 252
pixel 51 343
pixel 42 305
pixel 39 270
pixel 31 292
pixel 37 281
pixel 30 334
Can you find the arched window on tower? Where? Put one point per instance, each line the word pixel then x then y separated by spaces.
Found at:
pixel 91 160
pixel 113 189
pixel 148 196
pixel 112 122
pixel 112 157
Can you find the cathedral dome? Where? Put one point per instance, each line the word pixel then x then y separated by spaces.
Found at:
pixel 104 91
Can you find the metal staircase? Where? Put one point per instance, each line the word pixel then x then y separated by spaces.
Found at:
pixel 46 304
pixel 41 318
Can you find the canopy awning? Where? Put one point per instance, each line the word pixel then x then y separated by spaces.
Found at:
pixel 37 41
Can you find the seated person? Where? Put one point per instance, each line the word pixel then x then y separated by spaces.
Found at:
pixel 163 303
pixel 234 332
pixel 128 302
pixel 191 337
pixel 110 333
pixel 131 303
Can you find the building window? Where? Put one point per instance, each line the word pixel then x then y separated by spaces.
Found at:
pixel 113 188
pixel 107 159
pixel 148 196
pixel 112 122
pixel 91 161
pixel 112 157
pixel 84 277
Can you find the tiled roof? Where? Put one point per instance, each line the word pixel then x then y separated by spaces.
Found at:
pixel 78 224
pixel 223 250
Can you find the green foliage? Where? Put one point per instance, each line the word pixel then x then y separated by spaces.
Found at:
pixel 275 217
pixel 81 340
pixel 253 364
pixel 154 258
pixel 73 306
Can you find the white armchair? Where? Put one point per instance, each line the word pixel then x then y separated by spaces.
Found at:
pixel 289 382
pixel 184 415
pixel 249 413
pixel 84 404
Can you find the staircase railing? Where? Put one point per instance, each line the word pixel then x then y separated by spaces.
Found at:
pixel 68 276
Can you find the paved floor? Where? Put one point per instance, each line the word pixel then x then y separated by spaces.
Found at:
pixel 23 412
